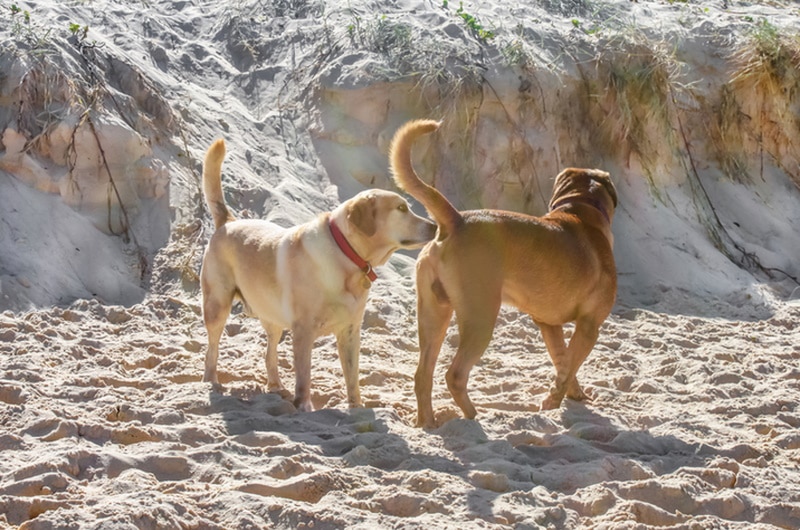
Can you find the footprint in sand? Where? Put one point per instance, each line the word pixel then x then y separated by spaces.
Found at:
pixel 45 484
pixel 12 394
pixel 306 488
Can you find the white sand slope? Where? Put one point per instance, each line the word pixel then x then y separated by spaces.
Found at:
pixel 104 422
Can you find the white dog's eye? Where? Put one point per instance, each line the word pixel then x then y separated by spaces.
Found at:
pixel 403 207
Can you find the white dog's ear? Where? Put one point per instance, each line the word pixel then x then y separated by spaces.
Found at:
pixel 362 215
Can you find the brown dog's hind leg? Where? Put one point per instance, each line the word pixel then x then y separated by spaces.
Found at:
pixel 433 317
pixel 475 332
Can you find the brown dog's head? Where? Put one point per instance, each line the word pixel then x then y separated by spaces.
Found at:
pixel 592 186
pixel 383 220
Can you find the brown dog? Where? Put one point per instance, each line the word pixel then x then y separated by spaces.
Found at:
pixel 558 268
pixel 313 278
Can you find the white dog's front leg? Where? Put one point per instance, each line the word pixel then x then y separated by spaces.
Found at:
pixel 303 341
pixel 271 357
pixel 348 342
pixel 210 373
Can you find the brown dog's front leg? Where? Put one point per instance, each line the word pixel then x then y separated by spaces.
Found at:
pixel 348 343
pixel 575 392
pixel 568 361
pixel 553 337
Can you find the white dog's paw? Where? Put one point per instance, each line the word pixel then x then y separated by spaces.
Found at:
pixel 211 377
pixel 355 403
pixel 303 405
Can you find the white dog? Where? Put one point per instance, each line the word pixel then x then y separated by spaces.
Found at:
pixel 312 279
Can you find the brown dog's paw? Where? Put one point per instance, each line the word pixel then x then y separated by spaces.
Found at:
pixel 425 421
pixel 576 393
pixel 425 424
pixel 282 392
pixel 551 402
pixel 448 414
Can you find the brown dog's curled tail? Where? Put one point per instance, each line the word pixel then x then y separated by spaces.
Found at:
pixel 212 184
pixel 444 213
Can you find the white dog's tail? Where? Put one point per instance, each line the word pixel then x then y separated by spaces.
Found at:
pixel 212 184
pixel 444 213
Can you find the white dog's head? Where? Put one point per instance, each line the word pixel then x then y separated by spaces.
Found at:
pixel 380 222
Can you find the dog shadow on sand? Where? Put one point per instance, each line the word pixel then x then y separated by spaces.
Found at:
pixel 545 455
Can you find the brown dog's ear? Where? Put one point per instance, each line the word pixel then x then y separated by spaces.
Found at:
pixel 562 183
pixel 362 215
pixel 605 179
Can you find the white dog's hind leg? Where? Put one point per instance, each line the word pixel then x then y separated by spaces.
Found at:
pixel 215 314
pixel 217 300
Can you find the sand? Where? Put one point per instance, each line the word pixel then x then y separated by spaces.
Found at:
pixel 104 420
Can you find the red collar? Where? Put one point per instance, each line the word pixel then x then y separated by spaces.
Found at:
pixel 345 247
pixel 597 205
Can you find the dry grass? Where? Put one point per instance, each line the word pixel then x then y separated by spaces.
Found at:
pixel 726 132
pixel 629 97
pixel 74 88
pixel 763 110
pixel 45 96
pixel 769 61
pixel 447 78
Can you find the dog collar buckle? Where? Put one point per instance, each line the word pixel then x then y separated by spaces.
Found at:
pixel 350 252
pixel 369 272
